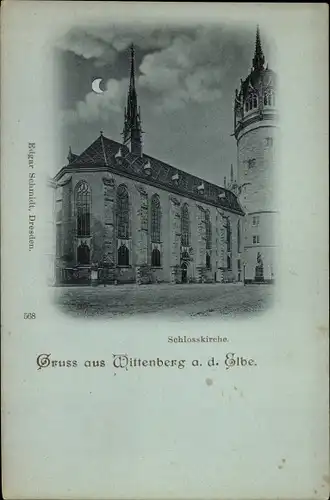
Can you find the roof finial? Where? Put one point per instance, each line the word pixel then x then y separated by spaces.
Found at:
pixel 70 156
pixel 259 58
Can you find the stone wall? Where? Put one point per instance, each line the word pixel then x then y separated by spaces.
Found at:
pixel 104 245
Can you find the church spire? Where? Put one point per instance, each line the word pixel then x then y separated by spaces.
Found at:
pixel 259 58
pixel 132 132
pixel 231 174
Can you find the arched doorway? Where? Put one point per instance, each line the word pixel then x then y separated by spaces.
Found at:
pixel 184 272
pixel 83 254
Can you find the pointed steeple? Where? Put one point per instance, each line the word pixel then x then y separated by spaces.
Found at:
pixel 231 174
pixel 132 132
pixel 259 58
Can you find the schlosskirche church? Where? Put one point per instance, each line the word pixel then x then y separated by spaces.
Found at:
pixel 126 217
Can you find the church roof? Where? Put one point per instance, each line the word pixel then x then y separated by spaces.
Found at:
pixel 104 152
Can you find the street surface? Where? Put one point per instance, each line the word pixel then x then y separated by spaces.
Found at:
pixel 194 300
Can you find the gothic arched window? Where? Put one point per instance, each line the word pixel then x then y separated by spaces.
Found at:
pixel 185 226
pixel 255 101
pixel 271 98
pixel 155 258
pixel 208 261
pixel 155 219
pixel 123 256
pixel 238 236
pixel 83 209
pixel 208 230
pixel 122 212
pixel 228 235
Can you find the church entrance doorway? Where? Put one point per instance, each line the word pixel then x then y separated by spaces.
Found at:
pixel 183 272
pixel 83 254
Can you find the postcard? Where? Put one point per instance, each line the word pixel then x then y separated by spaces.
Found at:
pixel 164 250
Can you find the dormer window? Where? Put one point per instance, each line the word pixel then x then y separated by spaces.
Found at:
pixel 175 177
pixel 147 168
pixel 201 188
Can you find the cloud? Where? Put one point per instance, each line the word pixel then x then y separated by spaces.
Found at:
pixel 178 66
pixel 104 44
pixel 97 106
pixel 191 69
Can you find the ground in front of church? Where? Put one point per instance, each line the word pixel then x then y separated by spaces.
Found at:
pixel 193 300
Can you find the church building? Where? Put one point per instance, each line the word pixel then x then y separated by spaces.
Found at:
pixel 123 216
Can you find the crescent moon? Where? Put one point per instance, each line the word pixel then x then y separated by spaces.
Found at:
pixel 96 85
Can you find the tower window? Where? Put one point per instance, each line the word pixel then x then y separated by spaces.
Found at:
pixel 185 226
pixel 122 212
pixel 255 220
pixel 83 209
pixel 255 101
pixel 256 239
pixel 155 219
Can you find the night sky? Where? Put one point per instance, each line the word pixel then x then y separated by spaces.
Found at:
pixel 185 79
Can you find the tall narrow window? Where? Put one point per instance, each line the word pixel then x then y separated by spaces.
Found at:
pixel 228 235
pixel 208 230
pixel 238 236
pixel 155 258
pixel 122 212
pixel 185 226
pixel 123 256
pixel 83 209
pixel 255 101
pixel 155 219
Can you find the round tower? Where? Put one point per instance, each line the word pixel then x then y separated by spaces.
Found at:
pixel 255 125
